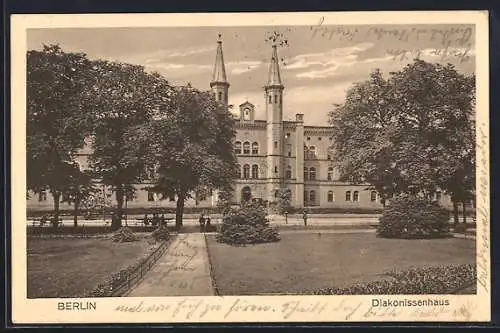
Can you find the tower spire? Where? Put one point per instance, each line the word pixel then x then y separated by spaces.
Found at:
pixel 274 77
pixel 219 74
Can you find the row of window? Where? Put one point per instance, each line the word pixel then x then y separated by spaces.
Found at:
pixel 270 99
pixel 310 196
pixel 253 172
pixel 246 148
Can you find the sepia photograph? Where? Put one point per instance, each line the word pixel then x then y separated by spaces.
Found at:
pixel 182 163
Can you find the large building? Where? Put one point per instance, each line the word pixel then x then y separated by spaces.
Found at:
pixel 273 154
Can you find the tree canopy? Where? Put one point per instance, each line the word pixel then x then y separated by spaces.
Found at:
pixel 412 132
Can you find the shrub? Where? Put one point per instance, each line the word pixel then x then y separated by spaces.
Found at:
pixel 161 233
pixel 444 279
pixel 413 217
pixel 247 225
pixel 124 234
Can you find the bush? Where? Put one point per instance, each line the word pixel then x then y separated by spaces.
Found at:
pixel 124 234
pixel 161 234
pixel 444 279
pixel 413 217
pixel 247 225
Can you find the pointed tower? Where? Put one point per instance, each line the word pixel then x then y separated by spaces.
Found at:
pixel 219 83
pixel 274 111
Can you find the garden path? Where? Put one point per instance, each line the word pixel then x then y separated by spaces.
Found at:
pixel 183 270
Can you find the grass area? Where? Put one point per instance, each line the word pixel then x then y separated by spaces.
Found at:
pixel 309 261
pixel 73 267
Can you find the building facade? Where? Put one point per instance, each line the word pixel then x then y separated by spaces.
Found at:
pixel 272 154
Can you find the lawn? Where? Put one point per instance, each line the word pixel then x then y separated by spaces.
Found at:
pixel 310 261
pixel 73 267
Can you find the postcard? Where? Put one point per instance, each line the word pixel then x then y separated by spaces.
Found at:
pixel 250 167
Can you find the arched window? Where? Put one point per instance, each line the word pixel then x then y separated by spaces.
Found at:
pixel 275 99
pixel 246 148
pixel 289 172
pixel 306 174
pixel 255 148
pixel 239 170
pixel 237 147
pixel 246 171
pixel 255 171
pixel 312 197
pixel 270 99
pixel 330 173
pixel 330 196
pixel 355 196
pixel 373 196
pixel 348 196
pixel 220 95
pixel 311 152
pixel 312 173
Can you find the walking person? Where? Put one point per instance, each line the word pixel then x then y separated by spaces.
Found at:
pixel 201 220
pixel 304 216
pixel 207 223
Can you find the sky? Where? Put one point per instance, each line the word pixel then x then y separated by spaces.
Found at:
pixel 318 63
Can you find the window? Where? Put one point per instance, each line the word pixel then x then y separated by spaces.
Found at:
pixel 306 196
pixel 246 171
pixel 330 173
pixel 289 150
pixel 255 171
pixel 276 194
pixel 275 99
pixel 246 114
pixel 328 157
pixel 220 95
pixel 202 196
pixel 289 172
pixel 312 197
pixel 330 196
pixel 246 148
pixel 237 147
pixel 312 173
pixel 276 169
pixel 42 196
pixel 373 196
pixel 287 135
pixel 348 196
pixel 438 196
pixel 319 138
pixel 312 152
pixel 306 174
pixel 355 196
pixel 151 172
pixel 255 148
pixel 239 170
pixel 270 99
pixel 172 198
pixel 308 138
pixel 289 153
pixel 151 196
pixel 275 144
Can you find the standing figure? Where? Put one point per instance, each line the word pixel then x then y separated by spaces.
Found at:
pixel 304 216
pixel 146 219
pixel 207 223
pixel 201 220
pixel 162 220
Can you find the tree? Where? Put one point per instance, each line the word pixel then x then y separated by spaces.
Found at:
pixel 404 134
pixel 191 147
pixel 56 118
pixel 284 202
pixel 126 97
pixel 78 189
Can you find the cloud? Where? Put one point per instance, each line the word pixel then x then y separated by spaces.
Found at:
pixel 188 52
pixel 240 67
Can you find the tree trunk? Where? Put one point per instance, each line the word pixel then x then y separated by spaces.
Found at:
pixel 464 213
pixel 75 214
pixel 117 223
pixel 179 210
pixel 286 218
pixel 57 196
pixel 455 214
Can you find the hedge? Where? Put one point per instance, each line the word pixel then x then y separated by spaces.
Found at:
pixel 443 279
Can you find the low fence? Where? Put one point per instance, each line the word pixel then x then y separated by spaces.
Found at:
pixel 138 272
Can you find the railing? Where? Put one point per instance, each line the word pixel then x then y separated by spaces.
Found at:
pixel 134 277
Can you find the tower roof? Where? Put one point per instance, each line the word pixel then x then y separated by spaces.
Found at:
pixel 219 74
pixel 274 77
